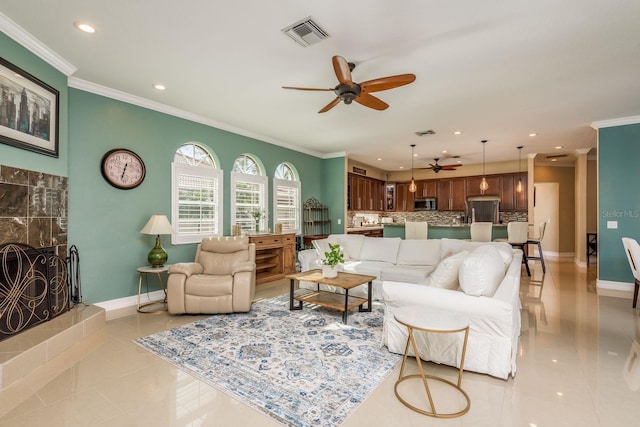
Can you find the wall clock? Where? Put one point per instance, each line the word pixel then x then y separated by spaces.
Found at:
pixel 123 168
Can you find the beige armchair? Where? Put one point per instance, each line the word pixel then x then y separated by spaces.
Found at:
pixel 221 280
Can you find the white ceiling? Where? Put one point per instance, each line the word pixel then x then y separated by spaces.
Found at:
pixel 496 70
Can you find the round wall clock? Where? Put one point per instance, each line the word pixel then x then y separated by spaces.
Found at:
pixel 123 168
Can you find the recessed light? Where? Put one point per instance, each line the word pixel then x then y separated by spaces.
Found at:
pixel 84 27
pixel 159 86
pixel 559 147
pixel 415 155
pixel 554 360
pixel 533 134
pixel 554 160
pixel 401 167
pixel 459 161
pixel 379 158
pixel 458 132
pixel 559 393
pixel 444 151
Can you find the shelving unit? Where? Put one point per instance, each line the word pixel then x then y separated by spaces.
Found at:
pixel 317 224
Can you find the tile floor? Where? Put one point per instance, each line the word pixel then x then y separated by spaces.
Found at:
pixel 576 349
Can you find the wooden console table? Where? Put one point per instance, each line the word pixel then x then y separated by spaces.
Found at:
pixel 275 256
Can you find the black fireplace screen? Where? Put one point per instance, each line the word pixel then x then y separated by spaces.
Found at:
pixel 33 287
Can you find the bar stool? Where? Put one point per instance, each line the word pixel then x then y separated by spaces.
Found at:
pixel 537 241
pixel 517 237
pixel 481 231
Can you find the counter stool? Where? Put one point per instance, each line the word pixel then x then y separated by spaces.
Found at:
pixel 517 232
pixel 416 318
pixel 538 241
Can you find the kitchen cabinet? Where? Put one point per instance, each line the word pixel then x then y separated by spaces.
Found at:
pixel 521 199
pixel 473 186
pixel 365 194
pixel 404 198
pixel 376 232
pixel 510 199
pixel 426 188
pixel 451 194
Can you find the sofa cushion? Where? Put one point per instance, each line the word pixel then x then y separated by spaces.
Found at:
pixel 322 245
pixel 407 273
pixel 482 271
pixel 371 268
pixel 419 252
pixel 446 273
pixel 351 244
pixel 380 249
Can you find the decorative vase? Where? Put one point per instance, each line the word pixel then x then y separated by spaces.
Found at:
pixel 329 272
pixel 257 226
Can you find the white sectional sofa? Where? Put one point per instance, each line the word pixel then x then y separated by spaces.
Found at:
pixel 480 281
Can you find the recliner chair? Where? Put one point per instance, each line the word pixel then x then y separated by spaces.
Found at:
pixel 221 280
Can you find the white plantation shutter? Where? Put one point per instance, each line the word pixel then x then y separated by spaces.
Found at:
pixel 249 194
pixel 197 203
pixel 287 205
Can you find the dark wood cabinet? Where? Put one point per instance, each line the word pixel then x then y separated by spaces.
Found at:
pixel 451 194
pixel 507 199
pixel 473 186
pixel 522 198
pixel 404 198
pixel 365 194
pixel 378 232
pixel 426 188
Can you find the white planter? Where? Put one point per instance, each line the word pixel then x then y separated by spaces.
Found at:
pixel 328 272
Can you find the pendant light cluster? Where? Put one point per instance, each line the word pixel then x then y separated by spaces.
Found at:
pixel 519 187
pixel 412 187
pixel 484 185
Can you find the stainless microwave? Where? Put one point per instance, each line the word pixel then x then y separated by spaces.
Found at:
pixel 426 204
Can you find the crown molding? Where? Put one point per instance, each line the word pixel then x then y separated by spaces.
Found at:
pixel 622 121
pixel 118 95
pixel 334 155
pixel 35 46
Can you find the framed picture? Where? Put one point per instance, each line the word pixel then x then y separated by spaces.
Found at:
pixel 28 111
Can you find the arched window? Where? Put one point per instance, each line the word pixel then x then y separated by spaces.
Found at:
pixel 196 194
pixel 287 199
pixel 249 194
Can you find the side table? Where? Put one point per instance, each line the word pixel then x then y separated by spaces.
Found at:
pixel 416 318
pixel 147 269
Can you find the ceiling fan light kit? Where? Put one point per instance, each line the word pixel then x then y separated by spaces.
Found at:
pixel 348 91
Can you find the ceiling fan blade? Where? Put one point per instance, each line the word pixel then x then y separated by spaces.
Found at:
pixel 306 88
pixel 330 105
pixel 385 83
pixel 342 70
pixel 371 102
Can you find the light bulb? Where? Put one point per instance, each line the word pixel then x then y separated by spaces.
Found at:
pixel 413 187
pixel 484 185
pixel 519 186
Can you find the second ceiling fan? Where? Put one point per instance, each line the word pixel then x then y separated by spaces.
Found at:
pixel 438 167
pixel 348 91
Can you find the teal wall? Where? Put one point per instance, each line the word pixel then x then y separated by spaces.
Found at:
pixel 333 195
pixel 17 157
pixel 105 222
pixel 618 198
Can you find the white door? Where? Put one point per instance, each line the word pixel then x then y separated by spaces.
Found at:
pixel 547 208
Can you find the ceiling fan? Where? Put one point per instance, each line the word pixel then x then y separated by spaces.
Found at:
pixel 437 167
pixel 348 91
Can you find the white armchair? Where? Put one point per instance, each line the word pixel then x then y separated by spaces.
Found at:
pixel 632 249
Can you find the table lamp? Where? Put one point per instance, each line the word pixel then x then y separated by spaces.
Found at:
pixel 158 224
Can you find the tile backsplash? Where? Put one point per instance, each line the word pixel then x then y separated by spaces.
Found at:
pixel 33 208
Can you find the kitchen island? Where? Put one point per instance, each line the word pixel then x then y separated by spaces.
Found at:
pixel 449 231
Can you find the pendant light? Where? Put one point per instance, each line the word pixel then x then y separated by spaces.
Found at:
pixel 412 186
pixel 484 185
pixel 519 187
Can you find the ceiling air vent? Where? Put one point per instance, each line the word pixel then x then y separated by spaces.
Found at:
pixel 426 132
pixel 556 156
pixel 306 32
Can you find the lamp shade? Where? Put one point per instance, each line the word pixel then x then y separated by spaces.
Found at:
pixel 157 224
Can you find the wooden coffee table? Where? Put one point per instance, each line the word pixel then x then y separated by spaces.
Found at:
pixel 333 300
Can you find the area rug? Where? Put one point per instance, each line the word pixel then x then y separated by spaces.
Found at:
pixel 302 368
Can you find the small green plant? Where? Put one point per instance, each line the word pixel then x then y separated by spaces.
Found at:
pixel 333 257
pixel 258 214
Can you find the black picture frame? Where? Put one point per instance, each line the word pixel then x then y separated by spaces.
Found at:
pixel 29 111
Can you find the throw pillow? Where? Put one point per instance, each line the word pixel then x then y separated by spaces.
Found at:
pixel 482 271
pixel 446 273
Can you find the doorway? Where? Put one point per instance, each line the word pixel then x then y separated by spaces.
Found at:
pixel 546 207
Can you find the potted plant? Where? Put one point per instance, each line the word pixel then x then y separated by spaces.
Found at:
pixel 331 260
pixel 258 215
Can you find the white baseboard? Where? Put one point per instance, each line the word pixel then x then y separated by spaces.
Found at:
pixel 556 255
pixel 126 306
pixel 608 288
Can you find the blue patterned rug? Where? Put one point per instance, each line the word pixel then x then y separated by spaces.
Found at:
pixel 302 368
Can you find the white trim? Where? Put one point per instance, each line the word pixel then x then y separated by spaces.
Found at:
pixel 119 95
pixel 290 184
pixel 128 303
pixel 35 46
pixel 614 286
pixel 631 120
pixel 334 155
pixel 263 181
pixel 549 254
